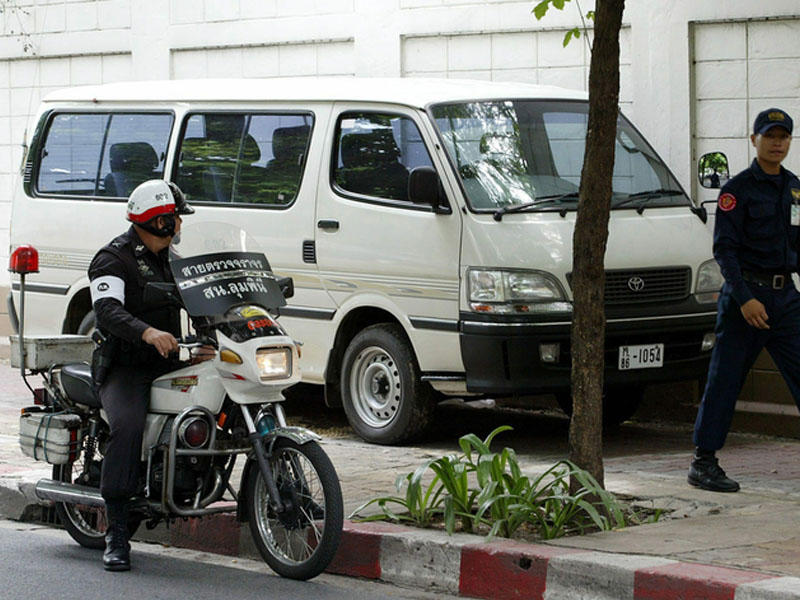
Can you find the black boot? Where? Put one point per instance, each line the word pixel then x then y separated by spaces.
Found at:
pixel 117 556
pixel 706 473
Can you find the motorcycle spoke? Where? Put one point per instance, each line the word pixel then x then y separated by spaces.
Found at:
pixel 297 539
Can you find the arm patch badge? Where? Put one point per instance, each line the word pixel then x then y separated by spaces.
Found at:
pixel 726 202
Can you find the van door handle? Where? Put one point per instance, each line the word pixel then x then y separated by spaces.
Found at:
pixel 328 224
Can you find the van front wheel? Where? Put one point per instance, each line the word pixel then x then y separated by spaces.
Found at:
pixel 383 396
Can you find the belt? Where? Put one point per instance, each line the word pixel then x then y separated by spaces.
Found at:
pixel 776 281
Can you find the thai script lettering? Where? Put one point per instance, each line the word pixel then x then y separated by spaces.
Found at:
pixel 219 266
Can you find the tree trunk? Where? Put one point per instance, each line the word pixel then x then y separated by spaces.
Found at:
pixel 589 243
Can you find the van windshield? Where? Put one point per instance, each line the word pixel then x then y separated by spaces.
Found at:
pixel 511 153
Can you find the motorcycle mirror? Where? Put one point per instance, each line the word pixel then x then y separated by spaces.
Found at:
pixel 287 286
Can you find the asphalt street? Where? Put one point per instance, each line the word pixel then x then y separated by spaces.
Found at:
pixel 39 562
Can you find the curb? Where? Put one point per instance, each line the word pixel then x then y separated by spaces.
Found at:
pixel 468 565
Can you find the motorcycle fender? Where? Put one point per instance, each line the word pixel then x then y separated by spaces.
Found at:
pixel 299 435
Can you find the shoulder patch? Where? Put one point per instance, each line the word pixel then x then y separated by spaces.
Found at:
pixel 726 202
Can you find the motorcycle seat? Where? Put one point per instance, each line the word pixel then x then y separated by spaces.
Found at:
pixel 76 379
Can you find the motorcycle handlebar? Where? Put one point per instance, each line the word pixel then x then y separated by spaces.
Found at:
pixel 193 341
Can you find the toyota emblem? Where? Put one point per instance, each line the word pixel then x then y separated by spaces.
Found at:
pixel 636 284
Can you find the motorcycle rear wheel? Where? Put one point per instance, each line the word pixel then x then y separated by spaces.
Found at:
pixel 85 524
pixel 302 542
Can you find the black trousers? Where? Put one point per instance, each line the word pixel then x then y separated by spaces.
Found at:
pixel 125 395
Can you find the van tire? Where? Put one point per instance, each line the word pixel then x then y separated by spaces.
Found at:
pixel 384 398
pixel 619 404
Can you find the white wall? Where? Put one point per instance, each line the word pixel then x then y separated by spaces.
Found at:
pixel 81 41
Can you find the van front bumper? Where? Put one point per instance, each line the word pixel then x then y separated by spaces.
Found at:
pixel 503 357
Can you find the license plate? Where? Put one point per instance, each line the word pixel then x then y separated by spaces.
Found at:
pixel 646 356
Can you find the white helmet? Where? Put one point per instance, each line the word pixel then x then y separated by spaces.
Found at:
pixel 155 198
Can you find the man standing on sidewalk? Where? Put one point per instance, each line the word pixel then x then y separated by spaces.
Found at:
pixel 756 246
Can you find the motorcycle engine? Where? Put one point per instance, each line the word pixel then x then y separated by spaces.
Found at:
pixel 191 472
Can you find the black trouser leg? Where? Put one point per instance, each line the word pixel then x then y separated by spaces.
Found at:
pixel 125 395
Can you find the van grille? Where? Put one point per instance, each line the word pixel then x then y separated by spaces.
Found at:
pixel 634 286
pixel 28 173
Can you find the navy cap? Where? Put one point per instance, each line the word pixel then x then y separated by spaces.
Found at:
pixel 772 117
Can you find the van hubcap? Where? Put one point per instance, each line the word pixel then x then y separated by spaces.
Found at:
pixel 375 387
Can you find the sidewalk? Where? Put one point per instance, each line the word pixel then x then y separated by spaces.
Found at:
pixel 743 546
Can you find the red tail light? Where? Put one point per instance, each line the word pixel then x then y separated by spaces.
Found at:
pixel 25 259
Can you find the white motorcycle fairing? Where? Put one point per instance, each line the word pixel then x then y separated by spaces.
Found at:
pixel 242 382
pixel 174 391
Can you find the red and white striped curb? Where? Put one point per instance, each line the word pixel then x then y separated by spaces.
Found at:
pixel 467 565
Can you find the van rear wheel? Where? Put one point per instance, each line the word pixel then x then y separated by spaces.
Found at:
pixel 384 398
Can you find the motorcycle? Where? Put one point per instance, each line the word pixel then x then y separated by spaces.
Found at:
pixel 201 417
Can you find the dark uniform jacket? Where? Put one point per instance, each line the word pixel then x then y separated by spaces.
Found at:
pixel 118 274
pixel 753 231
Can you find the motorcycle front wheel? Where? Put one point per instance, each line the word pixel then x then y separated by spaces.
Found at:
pixel 85 524
pixel 300 542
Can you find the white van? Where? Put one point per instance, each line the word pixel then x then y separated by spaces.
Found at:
pixel 427 225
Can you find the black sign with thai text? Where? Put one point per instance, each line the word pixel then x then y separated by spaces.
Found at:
pixel 210 284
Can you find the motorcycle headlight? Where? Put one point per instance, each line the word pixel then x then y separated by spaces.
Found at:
pixel 498 291
pixel 274 363
pixel 709 282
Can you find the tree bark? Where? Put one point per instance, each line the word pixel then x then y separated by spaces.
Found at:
pixel 589 243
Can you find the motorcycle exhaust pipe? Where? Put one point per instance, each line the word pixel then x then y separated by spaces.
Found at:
pixel 61 491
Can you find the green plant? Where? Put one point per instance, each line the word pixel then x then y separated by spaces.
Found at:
pixel 482 488
pixel 421 503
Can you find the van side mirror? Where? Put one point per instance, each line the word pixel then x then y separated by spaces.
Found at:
pixel 424 187
pixel 712 170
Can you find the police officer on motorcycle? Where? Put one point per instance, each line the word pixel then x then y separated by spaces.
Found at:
pixel 139 337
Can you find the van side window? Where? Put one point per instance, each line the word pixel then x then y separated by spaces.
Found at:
pixel 375 152
pixel 243 158
pixel 136 146
pixel 102 154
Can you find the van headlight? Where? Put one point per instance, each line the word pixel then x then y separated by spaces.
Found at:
pixel 274 363
pixel 515 292
pixel 709 282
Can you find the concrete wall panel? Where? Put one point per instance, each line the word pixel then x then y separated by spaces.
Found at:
pixel 721 41
pixel 324 58
pixel 721 79
pixel 774 77
pixel 514 51
pixel 773 39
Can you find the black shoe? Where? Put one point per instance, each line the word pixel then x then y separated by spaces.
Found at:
pixel 706 474
pixel 117 556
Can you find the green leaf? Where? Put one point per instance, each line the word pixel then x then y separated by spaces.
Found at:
pixel 574 32
pixel 488 441
pixel 590 15
pixel 540 10
pixel 559 4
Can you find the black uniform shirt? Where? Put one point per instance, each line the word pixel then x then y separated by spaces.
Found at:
pixel 753 230
pixel 118 274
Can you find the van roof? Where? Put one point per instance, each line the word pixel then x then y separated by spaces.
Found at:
pixel 415 92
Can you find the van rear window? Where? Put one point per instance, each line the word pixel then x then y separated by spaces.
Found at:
pixel 102 154
pixel 242 158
